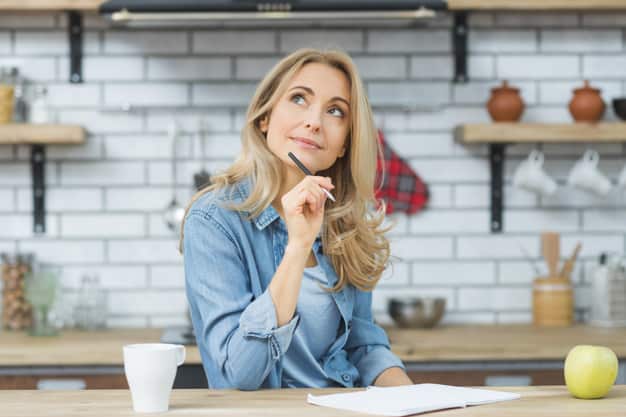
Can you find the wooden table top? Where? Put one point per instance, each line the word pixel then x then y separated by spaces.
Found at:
pixel 546 401
pixel 447 343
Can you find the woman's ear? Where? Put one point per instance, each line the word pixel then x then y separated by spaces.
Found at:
pixel 342 152
pixel 264 124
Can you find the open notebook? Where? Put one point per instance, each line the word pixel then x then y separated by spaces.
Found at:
pixel 410 399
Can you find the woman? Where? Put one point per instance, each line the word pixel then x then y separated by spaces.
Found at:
pixel 278 278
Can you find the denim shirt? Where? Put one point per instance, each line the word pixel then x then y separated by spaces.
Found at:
pixel 229 263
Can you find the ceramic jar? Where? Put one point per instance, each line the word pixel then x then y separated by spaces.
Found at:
pixel 505 103
pixel 587 104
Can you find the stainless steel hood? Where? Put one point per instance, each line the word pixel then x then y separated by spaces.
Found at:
pixel 251 12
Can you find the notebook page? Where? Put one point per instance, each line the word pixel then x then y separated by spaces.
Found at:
pixel 471 396
pixel 410 399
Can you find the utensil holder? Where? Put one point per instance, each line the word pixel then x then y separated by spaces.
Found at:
pixel 553 302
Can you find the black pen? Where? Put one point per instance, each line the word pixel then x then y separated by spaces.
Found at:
pixel 307 172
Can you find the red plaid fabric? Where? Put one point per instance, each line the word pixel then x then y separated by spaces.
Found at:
pixel 402 189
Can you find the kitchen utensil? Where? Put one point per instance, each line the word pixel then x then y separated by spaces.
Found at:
pixel 619 106
pixel 202 178
pixel 550 250
pixel 568 266
pixel 587 104
pixel 174 212
pixel 505 103
pixel 416 312
pixel 608 292
pixel 529 258
pixel 553 302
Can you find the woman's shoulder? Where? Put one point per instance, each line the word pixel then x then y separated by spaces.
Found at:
pixel 217 203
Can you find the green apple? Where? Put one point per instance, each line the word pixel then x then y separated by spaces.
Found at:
pixel 590 371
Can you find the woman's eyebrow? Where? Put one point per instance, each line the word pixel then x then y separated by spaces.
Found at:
pixel 308 90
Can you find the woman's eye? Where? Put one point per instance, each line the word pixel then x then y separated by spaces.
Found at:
pixel 297 98
pixel 336 111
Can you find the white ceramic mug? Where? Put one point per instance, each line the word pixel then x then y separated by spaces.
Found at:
pixel 150 370
pixel 585 174
pixel 531 176
pixel 622 178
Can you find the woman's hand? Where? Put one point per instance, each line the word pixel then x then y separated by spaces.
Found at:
pixel 303 207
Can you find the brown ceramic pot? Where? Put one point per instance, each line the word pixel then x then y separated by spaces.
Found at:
pixel 587 104
pixel 505 103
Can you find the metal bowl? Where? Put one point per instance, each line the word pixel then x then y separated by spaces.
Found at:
pixel 420 312
pixel 619 105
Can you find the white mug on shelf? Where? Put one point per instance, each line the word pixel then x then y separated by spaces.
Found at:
pixel 585 175
pixel 531 176
pixel 622 178
pixel 150 370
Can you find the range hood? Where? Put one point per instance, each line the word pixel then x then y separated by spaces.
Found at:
pixel 198 12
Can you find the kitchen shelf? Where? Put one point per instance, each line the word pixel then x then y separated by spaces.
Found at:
pixel 536 5
pixel 540 132
pixel 498 135
pixel 41 134
pixel 51 5
pixel 38 136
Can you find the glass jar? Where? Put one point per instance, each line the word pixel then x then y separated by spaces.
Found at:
pixel 7 93
pixel 16 310
pixel 39 109
pixel 42 285
pixel 91 309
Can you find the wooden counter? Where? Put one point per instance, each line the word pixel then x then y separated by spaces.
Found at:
pixel 504 342
pixel 442 344
pixel 536 401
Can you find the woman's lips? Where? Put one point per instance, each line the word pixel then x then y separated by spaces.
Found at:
pixel 305 143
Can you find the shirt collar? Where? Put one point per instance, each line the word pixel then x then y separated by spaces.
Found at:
pixel 267 216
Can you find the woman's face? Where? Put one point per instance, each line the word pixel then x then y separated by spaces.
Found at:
pixel 312 118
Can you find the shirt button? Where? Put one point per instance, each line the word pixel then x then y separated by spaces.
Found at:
pixel 345 377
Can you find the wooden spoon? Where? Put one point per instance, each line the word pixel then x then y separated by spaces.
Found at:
pixel 551 251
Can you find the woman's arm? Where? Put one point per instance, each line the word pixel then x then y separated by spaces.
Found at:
pixel 368 347
pixel 391 377
pixel 238 334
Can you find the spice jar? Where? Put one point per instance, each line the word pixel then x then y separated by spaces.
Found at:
pixel 587 104
pixel 16 311
pixel 7 93
pixel 505 103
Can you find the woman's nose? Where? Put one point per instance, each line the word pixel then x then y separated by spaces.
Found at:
pixel 313 121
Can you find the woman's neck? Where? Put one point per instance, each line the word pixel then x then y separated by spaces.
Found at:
pixel 291 177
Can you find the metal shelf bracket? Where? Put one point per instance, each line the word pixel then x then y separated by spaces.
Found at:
pixel 496 168
pixel 459 43
pixel 37 164
pixel 75 33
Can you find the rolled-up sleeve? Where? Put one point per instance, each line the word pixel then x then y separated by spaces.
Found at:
pixel 368 345
pixel 237 334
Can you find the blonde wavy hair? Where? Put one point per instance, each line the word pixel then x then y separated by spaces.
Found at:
pixel 353 235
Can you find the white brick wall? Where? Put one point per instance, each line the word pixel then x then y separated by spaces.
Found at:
pixel 105 199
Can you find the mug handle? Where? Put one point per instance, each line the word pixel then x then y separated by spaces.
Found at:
pixel 591 157
pixel 536 157
pixel 180 355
